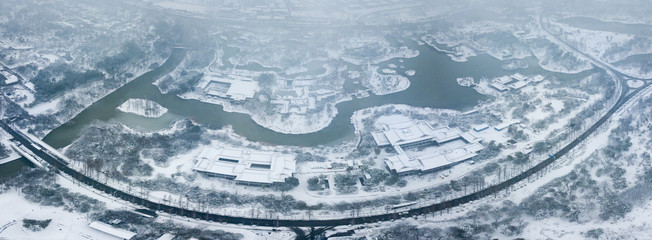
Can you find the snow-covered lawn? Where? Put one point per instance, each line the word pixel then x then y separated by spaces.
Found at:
pixel 143 107
pixel 64 224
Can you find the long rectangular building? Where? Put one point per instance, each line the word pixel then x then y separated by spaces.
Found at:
pixel 235 88
pixel 403 164
pixel 245 166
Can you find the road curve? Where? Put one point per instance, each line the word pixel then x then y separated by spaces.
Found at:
pixel 61 165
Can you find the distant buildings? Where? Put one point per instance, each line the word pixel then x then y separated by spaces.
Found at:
pixel 504 125
pixel 245 166
pixel 296 101
pixel 451 146
pixel 514 82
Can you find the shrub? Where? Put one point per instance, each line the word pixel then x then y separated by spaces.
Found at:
pixel 36 225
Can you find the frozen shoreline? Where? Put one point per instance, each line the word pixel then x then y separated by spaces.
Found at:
pixel 292 124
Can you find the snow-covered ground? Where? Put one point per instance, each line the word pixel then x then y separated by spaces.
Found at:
pixel 143 107
pixel 633 225
pixel 4 140
pixel 610 47
pixel 503 40
pixel 64 224
pixel 381 84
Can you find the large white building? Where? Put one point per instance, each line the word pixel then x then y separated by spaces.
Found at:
pixel 236 88
pixel 450 146
pixel 112 231
pixel 10 78
pixel 245 166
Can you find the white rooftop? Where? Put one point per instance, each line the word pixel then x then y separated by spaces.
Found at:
pixel 406 132
pixel 480 127
pixel 166 236
pixel 519 84
pixel 246 166
pixel 238 88
pixel 538 78
pixel 499 86
pixel 519 77
pixel 10 78
pixel 503 80
pixel 454 145
pixel 241 90
pixel 506 124
pixel 403 163
pixel 108 229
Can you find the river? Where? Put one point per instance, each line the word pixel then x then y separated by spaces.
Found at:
pixel 434 85
pixel 13 168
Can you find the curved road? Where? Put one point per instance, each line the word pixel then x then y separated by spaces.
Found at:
pixel 62 166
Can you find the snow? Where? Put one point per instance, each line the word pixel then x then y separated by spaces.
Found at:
pixel 21 95
pixel 599 43
pixel 44 108
pixel 4 140
pixel 462 54
pixel 74 225
pixel 386 84
pixel 10 77
pixel 143 107
pixel 64 225
pixel 634 226
pixel 547 55
pixel 635 83
pixel 465 81
pixel 179 6
pixel 50 57
pixel 108 229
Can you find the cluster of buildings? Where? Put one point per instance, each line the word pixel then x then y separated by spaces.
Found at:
pixel 446 146
pixel 294 101
pixel 232 87
pixel 514 82
pixel 499 127
pixel 245 166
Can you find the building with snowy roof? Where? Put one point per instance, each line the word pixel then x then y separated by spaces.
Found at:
pixel 452 146
pixel 111 230
pixel 519 77
pixel 504 125
pixel 245 166
pixel 238 89
pixel 408 133
pixel 518 85
pixel 9 78
pixel 481 127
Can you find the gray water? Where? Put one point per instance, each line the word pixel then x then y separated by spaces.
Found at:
pixel 13 168
pixel 434 85
pixel 617 27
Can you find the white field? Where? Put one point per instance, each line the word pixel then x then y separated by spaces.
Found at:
pixel 143 107
pixel 634 225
